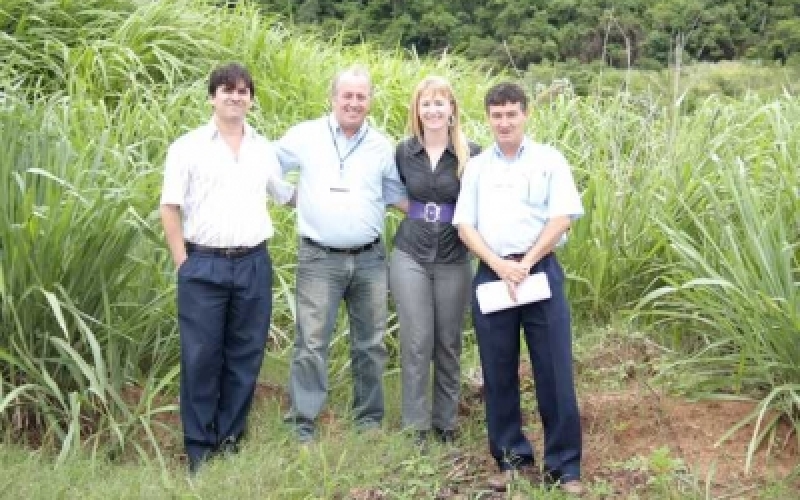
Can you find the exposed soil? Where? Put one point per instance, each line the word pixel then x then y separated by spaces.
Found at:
pixel 631 435
pixel 637 422
pixel 635 434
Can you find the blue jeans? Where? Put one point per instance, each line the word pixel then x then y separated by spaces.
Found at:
pixel 324 278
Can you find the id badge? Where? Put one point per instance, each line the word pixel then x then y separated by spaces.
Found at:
pixel 340 187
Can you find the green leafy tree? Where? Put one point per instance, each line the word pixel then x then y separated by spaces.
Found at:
pixel 524 32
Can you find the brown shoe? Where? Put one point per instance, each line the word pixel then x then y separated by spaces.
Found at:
pixel 572 487
pixel 499 482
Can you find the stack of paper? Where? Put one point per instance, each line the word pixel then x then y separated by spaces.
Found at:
pixel 493 296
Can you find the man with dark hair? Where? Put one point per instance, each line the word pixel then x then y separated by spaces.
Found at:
pixel 517 201
pixel 224 75
pixel 214 213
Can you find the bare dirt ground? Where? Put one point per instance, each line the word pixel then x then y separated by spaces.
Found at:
pixel 631 435
pixel 627 425
pixel 635 434
pixel 621 426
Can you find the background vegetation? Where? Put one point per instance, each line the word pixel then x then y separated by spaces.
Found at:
pixel 691 234
pixel 620 33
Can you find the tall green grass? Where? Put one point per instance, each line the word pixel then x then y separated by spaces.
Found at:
pixel 77 286
pixel 690 226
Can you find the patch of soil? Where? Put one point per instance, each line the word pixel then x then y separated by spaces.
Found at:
pixel 637 422
pixel 272 391
pixel 634 433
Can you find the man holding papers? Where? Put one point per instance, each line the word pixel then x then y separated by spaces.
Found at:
pixel 517 201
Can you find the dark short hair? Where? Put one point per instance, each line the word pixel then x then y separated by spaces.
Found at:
pixel 229 76
pixel 506 93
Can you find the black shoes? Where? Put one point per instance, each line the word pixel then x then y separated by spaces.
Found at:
pixel 227 448
pixel 500 482
pixel 196 463
pixel 445 436
pixel 422 436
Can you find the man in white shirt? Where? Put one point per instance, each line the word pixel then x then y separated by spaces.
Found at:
pixel 216 223
pixel 347 177
pixel 517 201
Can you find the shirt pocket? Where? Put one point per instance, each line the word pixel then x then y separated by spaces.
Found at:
pixel 538 187
pixel 519 186
pixel 206 177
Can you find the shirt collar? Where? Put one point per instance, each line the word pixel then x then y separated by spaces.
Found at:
pixel 213 131
pixel 416 146
pixel 334 125
pixel 523 147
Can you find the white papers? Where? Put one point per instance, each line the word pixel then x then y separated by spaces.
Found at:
pixel 493 296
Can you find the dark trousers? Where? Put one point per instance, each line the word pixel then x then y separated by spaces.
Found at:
pixel 546 326
pixel 224 309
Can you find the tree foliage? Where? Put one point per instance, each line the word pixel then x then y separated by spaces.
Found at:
pixel 522 32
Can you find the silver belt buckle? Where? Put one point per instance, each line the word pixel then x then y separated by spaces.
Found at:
pixel 231 252
pixel 431 212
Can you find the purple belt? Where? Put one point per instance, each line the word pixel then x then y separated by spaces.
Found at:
pixel 431 212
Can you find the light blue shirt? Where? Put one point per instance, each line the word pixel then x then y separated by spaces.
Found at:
pixel 344 184
pixel 509 201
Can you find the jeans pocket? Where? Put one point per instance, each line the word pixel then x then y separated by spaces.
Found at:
pixel 183 268
pixel 307 252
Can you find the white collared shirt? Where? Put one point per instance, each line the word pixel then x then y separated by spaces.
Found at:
pixel 509 201
pixel 223 198
pixel 344 184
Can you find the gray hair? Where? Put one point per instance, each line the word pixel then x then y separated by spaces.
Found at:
pixel 356 70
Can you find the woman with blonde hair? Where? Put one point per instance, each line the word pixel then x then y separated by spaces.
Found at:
pixel 429 270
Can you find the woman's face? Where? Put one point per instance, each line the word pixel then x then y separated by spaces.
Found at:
pixel 434 110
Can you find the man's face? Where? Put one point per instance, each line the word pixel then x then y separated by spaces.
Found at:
pixel 232 103
pixel 508 124
pixel 350 102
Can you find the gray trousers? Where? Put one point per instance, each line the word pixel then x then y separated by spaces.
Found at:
pixel 431 301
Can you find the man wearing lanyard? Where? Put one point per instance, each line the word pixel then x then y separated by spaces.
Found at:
pixel 517 201
pixel 347 177
pixel 214 212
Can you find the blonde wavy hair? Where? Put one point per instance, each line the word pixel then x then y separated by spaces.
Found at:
pixel 438 86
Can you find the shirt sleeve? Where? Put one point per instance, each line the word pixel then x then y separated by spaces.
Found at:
pixel 466 211
pixel 399 155
pixel 564 198
pixel 288 150
pixel 176 176
pixel 279 189
pixel 393 188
